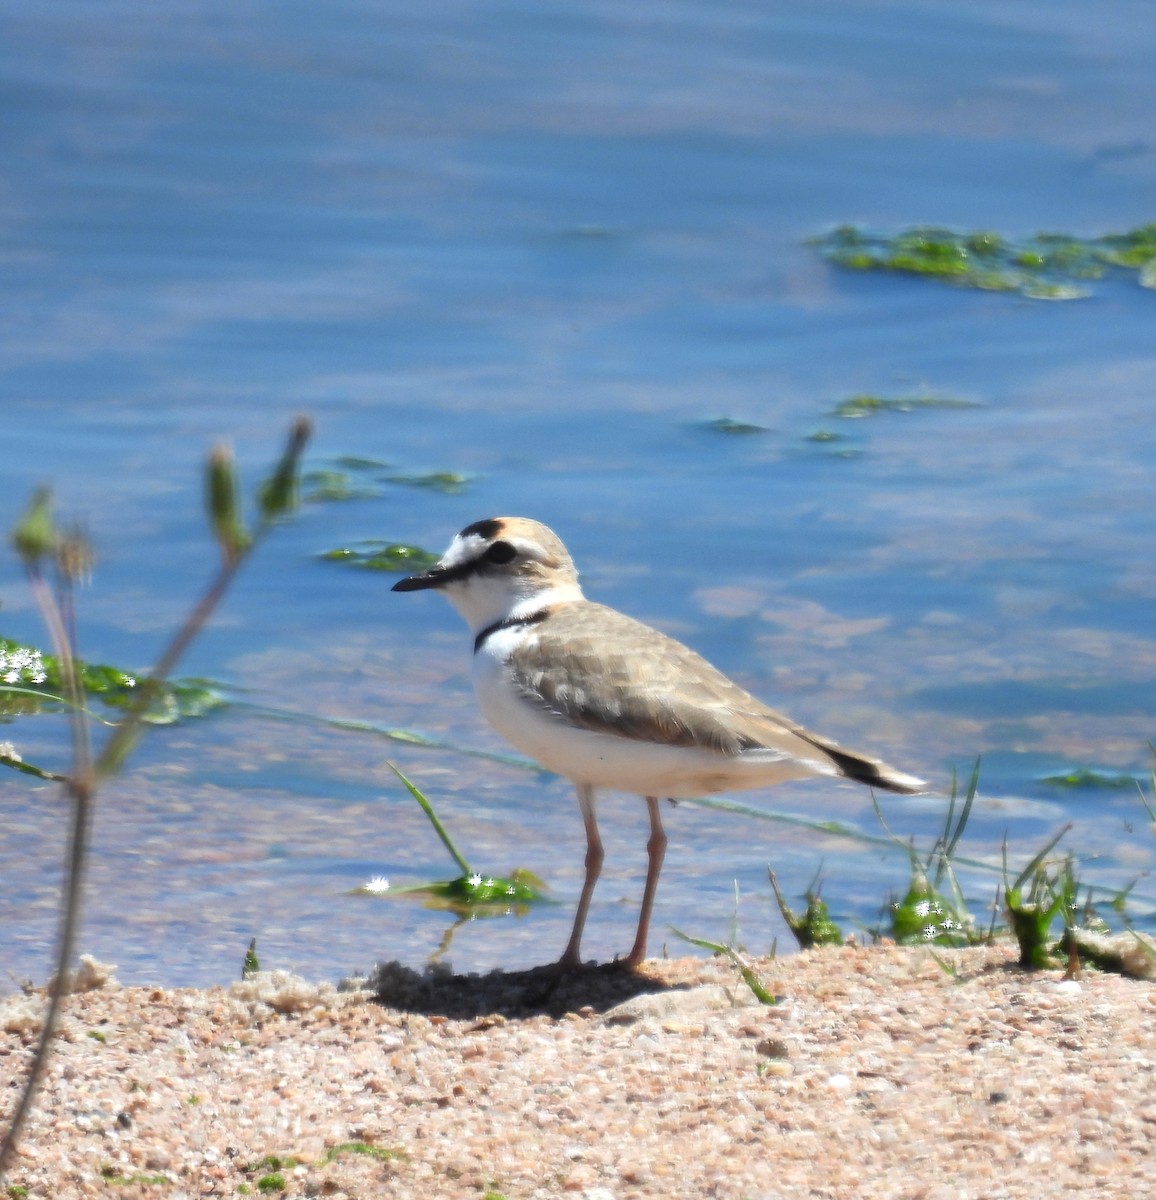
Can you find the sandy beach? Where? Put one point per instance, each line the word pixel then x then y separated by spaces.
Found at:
pixel 877 1074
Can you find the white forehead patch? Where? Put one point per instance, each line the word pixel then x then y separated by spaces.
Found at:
pixel 463 550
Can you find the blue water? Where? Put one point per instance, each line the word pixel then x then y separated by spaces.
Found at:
pixel 545 246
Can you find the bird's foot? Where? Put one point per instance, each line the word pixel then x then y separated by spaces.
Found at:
pixel 631 961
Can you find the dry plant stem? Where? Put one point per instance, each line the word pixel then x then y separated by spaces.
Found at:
pixel 80 788
pixel 121 739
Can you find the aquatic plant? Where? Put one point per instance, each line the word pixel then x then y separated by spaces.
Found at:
pixel 730 425
pixel 353 478
pixel 1046 266
pixel 33 683
pixel 472 893
pixel 450 483
pixel 1089 777
pixel 369 554
pixel 869 405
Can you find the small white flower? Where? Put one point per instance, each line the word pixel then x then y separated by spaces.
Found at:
pixel 930 932
pixel 947 923
pixel 923 908
pixel 474 881
pixel 19 665
pixel 129 681
pixel 377 885
pixel 490 883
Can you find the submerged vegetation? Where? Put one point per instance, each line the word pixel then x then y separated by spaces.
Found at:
pixel 351 478
pixel 730 425
pixel 1046 266
pixel 354 478
pixel 1083 777
pixel 370 554
pixel 868 405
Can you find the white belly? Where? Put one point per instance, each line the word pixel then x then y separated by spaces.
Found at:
pixel 626 764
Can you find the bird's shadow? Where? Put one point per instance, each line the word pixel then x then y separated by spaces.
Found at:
pixel 593 988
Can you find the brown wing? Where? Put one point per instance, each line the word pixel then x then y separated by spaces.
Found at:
pixel 604 671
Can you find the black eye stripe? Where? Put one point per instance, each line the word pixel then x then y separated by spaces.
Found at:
pixel 497 554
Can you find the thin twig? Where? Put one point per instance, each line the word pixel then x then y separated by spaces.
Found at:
pixel 80 788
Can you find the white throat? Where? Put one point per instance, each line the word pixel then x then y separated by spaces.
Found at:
pixel 484 600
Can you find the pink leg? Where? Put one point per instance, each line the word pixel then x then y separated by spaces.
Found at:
pixel 572 957
pixel 656 851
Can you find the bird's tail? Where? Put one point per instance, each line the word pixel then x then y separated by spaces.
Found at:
pixel 869 770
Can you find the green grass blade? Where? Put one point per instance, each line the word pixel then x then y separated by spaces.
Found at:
pixel 411 737
pixel 439 828
pixel 1031 868
pixel 745 969
pixel 969 800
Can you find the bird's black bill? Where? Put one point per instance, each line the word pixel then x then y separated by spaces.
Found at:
pixel 415 583
pixel 436 577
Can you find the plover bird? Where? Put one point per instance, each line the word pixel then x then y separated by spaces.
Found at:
pixel 608 702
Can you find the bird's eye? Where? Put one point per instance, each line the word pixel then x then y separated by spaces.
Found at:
pixel 500 552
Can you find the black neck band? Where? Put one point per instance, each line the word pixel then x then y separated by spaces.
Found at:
pixel 509 623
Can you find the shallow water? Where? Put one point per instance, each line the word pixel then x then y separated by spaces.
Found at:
pixel 545 249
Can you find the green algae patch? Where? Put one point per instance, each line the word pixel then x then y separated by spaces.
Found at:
pixel 868 405
pixel 1084 777
pixel 369 554
pixel 1046 266
pixel 733 427
pixel 829 443
pixel 350 477
pixel 474 895
pixel 330 486
pixel 449 483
